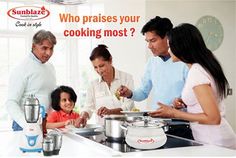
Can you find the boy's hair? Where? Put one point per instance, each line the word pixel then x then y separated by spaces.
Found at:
pixel 56 96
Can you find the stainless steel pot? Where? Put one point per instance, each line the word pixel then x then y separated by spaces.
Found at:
pixel 113 130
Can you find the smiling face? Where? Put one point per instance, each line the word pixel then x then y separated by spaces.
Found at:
pixel 66 103
pixel 156 44
pixel 43 51
pixel 102 67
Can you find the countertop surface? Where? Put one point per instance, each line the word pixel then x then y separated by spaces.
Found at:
pixel 75 145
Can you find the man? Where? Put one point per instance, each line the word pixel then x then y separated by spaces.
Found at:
pixel 165 77
pixel 33 76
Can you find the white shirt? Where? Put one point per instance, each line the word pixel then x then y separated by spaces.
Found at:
pixel 222 134
pixel 99 94
pixel 30 77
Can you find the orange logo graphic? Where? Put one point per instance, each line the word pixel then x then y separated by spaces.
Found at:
pixel 145 141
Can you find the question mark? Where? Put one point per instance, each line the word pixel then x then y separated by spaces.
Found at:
pixel 132 31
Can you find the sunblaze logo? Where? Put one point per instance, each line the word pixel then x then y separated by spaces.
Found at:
pixel 28 13
pixel 145 141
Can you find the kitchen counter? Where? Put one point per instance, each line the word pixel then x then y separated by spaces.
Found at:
pixel 75 145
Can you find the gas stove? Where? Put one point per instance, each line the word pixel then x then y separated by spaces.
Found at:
pixel 122 146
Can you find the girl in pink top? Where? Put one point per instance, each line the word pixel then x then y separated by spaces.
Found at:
pixel 204 90
pixel 63 102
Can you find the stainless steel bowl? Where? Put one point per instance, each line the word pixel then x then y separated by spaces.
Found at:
pixel 31 109
pixel 48 146
pixel 31 113
pixel 57 141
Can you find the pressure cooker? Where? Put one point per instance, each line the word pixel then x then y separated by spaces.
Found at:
pixel 142 135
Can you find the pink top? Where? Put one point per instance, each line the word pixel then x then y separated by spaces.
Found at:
pixel 222 134
pixel 61 116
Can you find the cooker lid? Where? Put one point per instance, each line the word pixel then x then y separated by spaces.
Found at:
pixel 148 125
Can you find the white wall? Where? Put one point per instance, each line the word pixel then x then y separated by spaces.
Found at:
pixel 190 11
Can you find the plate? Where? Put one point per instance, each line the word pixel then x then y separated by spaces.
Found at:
pixel 87 129
pixel 136 113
